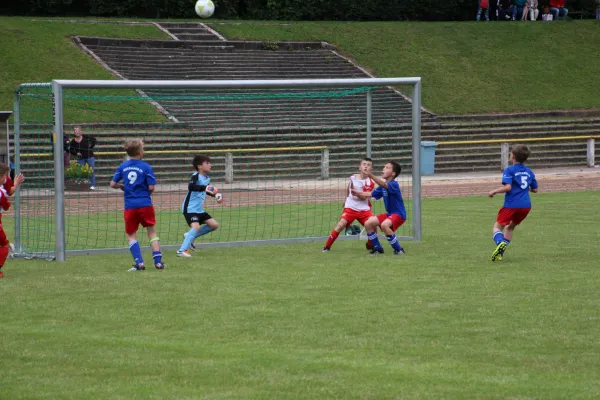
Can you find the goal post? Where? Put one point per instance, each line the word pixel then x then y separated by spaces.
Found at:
pixel 355 109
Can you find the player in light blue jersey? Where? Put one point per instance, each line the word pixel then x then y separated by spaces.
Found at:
pixel 193 205
pixel 395 214
pixel 138 184
pixel 517 181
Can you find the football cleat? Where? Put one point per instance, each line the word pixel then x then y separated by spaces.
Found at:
pixel 326 249
pixel 137 267
pixel 399 252
pixel 369 246
pixel 498 252
pixel 160 266
pixel 375 252
pixel 184 253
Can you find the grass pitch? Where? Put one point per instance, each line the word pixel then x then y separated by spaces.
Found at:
pixel 289 322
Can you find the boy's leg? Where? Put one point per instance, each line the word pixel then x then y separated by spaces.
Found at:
pixel 371 227
pixel 341 225
pixel 188 239
pixel 211 224
pixel 131 227
pixel 155 246
pixel 504 217
pixel 389 227
pixel 3 249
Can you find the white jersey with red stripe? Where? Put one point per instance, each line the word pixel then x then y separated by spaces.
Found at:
pixel 360 185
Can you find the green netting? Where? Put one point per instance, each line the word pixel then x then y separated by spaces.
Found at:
pixel 269 149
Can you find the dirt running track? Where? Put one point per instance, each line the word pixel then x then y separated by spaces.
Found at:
pixel 41 204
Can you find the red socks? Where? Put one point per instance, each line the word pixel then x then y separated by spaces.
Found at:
pixel 334 235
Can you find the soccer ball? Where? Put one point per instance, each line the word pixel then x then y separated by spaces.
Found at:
pixel 212 189
pixel 204 8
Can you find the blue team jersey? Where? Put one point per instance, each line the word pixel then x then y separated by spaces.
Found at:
pixel 392 198
pixel 521 178
pixel 194 201
pixel 137 177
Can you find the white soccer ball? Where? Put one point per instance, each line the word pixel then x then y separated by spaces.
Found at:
pixel 205 8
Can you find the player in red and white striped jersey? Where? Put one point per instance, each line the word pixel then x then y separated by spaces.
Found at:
pixel 354 207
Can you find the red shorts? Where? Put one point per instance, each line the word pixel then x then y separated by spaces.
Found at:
pixel 361 216
pixel 514 215
pixel 397 220
pixel 138 216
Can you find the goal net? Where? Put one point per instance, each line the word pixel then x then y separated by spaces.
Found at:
pixel 282 153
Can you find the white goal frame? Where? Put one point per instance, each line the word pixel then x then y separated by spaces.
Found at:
pixel 59 85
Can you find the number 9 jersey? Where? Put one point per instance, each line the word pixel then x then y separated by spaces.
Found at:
pixel 521 179
pixel 137 177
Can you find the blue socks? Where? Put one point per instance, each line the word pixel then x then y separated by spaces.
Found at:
pixel 203 231
pixel 136 252
pixel 192 235
pixel 393 241
pixel 375 241
pixel 157 255
pixel 498 237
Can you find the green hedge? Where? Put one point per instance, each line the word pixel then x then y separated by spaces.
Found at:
pixel 394 10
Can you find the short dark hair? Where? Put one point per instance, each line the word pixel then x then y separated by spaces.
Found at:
pixel 4 169
pixel 367 159
pixel 521 152
pixel 199 160
pixel 396 167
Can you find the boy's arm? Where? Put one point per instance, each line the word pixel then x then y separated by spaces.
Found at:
pixel 502 189
pixel 116 185
pixel 361 195
pixel 151 188
pixel 194 187
pixel 18 180
pixel 378 181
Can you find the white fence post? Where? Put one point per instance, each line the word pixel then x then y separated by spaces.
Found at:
pixel 325 164
pixel 228 168
pixel 504 156
pixel 591 153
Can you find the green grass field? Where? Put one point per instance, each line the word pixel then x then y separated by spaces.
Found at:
pixel 289 322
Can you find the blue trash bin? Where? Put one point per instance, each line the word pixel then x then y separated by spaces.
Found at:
pixel 428 157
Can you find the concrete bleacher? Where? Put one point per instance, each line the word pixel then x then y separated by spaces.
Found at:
pixel 206 121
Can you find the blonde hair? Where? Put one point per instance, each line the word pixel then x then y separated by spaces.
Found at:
pixel 134 147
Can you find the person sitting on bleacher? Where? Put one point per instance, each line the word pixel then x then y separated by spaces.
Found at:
pixel 546 16
pixel 518 8
pixel 504 9
pixel 557 8
pixel 532 6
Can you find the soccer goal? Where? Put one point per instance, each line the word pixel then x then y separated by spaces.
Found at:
pixel 282 153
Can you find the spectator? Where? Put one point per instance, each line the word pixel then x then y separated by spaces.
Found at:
pixel 483 4
pixel 81 146
pixel 597 9
pixel 518 9
pixel 557 8
pixel 504 9
pixel 546 16
pixel 532 5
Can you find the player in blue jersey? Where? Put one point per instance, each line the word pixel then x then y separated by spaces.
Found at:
pixel 395 214
pixel 517 181
pixel 193 205
pixel 138 184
